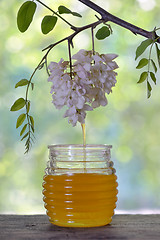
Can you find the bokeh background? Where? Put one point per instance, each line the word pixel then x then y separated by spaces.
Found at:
pixel 130 122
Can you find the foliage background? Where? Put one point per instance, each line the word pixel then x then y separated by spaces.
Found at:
pixel 130 122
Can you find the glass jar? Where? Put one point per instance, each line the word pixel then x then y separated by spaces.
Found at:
pixel 80 188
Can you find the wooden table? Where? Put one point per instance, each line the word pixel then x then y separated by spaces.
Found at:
pixel 20 227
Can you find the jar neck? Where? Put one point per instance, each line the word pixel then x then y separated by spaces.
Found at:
pixel 78 158
pixel 80 151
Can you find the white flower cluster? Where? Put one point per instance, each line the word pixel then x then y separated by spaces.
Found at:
pixel 92 77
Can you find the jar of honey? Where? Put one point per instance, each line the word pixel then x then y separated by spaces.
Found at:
pixel 80 188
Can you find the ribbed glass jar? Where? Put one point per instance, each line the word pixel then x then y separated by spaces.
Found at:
pixel 80 188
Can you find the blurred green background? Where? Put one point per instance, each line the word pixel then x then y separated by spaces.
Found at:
pixel 130 122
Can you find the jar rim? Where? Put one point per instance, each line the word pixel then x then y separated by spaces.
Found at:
pixel 79 146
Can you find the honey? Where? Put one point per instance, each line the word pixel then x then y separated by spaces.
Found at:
pixel 80 199
pixel 84 133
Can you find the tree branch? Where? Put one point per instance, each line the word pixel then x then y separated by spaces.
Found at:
pixel 106 16
pixel 70 37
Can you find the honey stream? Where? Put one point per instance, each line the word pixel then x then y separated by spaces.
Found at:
pixel 84 134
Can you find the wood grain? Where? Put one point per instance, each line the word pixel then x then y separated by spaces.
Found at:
pixel 26 227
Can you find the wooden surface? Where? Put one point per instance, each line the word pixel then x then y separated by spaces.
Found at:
pixel 20 227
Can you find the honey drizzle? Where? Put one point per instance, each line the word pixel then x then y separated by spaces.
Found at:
pixel 84 145
pixel 84 134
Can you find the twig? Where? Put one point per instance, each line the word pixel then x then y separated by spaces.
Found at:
pixel 92 34
pixel 78 30
pixel 106 16
pixel 70 57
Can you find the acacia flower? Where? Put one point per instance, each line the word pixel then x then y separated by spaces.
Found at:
pixel 93 76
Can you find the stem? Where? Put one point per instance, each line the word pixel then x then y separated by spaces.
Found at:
pixel 70 58
pixel 72 27
pixel 26 100
pixel 46 65
pixel 92 34
pixel 32 77
pixel 106 16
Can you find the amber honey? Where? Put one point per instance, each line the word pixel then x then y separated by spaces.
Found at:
pixel 80 199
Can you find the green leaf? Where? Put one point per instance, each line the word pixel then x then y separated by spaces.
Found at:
pixel 48 23
pixel 158 54
pixel 32 121
pixel 27 150
pixel 28 106
pixel 22 82
pixel 153 77
pixel 63 9
pixel 25 136
pixel 102 33
pixel 143 77
pixel 76 14
pixel 27 142
pixel 143 62
pixel 20 120
pixel 28 145
pixel 32 128
pixel 142 47
pixel 149 89
pixel 23 129
pixel 25 15
pixel 18 104
pixel 154 65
